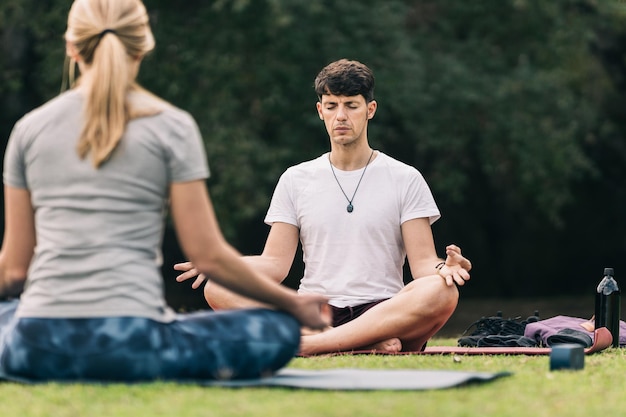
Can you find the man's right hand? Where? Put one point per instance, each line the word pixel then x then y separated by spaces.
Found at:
pixel 189 272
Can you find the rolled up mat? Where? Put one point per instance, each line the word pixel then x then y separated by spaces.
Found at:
pixel 570 336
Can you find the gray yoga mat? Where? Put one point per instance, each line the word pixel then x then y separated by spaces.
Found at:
pixel 338 379
pixel 365 379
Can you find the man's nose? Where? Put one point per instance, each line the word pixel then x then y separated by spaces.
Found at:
pixel 341 114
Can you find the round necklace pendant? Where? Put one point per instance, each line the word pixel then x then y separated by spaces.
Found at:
pixel 350 208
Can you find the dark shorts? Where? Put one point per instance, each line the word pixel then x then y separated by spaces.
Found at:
pixel 203 345
pixel 342 315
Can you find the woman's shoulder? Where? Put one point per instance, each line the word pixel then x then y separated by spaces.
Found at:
pixel 144 104
pixel 59 105
pixel 68 103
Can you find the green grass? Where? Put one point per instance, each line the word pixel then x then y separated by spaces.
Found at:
pixel 532 390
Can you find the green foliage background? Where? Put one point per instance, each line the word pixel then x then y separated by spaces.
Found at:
pixel 512 109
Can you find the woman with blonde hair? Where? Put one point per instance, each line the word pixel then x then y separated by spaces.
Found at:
pixel 88 177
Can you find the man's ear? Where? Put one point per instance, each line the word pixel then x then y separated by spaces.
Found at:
pixel 318 106
pixel 371 109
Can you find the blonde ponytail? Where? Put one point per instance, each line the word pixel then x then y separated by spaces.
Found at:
pixel 106 112
pixel 110 36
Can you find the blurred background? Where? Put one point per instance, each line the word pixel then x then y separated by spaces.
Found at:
pixel 513 110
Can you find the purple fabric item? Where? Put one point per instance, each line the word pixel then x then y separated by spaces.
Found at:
pixel 542 329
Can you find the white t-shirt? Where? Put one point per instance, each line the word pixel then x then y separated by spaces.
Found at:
pixel 352 258
pixel 99 231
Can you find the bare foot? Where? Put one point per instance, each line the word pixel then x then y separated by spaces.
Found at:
pixel 390 345
pixel 309 345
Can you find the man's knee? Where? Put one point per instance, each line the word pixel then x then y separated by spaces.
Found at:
pixel 442 299
pixel 211 293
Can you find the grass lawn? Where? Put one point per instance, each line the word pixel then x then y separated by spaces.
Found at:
pixel 532 390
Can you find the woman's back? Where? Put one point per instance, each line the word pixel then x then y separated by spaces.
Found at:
pixel 99 229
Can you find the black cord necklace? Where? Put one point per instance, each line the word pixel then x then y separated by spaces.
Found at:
pixel 350 207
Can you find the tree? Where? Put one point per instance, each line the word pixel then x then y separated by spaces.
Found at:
pixel 512 110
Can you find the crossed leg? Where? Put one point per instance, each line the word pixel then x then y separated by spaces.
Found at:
pixel 403 322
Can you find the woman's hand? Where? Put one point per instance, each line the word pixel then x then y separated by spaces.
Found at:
pixel 312 311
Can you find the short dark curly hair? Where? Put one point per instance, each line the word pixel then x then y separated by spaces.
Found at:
pixel 345 78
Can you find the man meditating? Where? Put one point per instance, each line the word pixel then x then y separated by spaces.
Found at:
pixel 359 214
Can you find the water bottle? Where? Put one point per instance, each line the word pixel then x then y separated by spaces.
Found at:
pixel 607 309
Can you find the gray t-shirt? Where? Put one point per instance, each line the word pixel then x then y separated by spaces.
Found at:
pixel 99 231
